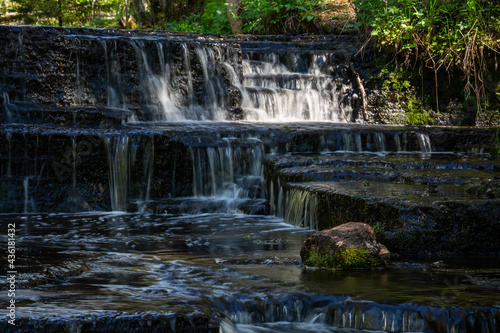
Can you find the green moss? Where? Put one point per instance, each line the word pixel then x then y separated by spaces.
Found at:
pixel 350 258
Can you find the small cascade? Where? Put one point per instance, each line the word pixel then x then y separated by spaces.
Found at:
pixel 272 92
pixel 229 171
pixel 348 142
pixel 115 96
pixel 206 58
pixel 26 185
pixel 158 93
pixel 29 204
pixel 118 162
pixel 130 164
pixel 6 106
pixel 187 64
pixel 424 142
pixel 397 142
pixel 379 139
pixel 300 208
pixel 374 141
pixel 296 312
pixel 141 160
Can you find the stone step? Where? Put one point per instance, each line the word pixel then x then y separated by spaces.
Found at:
pixel 412 220
pixel 28 113
pixel 387 161
pixel 202 205
pixel 408 176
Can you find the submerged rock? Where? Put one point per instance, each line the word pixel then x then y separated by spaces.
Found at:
pixel 349 246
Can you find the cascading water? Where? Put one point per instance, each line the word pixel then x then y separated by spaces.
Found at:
pixel 300 209
pixel 118 161
pixel 130 162
pixel 189 221
pixel 6 106
pixel 230 172
pixel 424 142
pixel 274 93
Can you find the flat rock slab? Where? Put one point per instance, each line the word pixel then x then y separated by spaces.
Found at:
pixel 415 176
pixel 411 220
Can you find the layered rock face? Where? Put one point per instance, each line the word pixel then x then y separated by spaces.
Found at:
pixel 99 120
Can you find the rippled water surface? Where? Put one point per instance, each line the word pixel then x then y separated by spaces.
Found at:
pixel 94 262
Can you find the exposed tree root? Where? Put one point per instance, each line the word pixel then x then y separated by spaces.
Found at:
pixel 364 99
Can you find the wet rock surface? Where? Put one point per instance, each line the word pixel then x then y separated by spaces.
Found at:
pixel 114 322
pixel 411 220
pixel 200 273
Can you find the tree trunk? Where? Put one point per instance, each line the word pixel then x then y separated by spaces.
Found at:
pixel 236 24
pixel 59 12
pixel 142 15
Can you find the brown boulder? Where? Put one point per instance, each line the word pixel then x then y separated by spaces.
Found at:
pixel 348 246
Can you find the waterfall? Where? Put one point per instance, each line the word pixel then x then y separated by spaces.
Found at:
pixel 118 161
pixel 6 106
pixel 172 80
pixel 274 93
pixel 340 313
pixel 348 144
pixel 130 167
pixel 379 139
pixel 115 97
pixel 424 142
pixel 26 186
pixel 159 94
pixel 228 171
pixel 300 208
pixel 397 142
pixel 187 66
pixel 143 172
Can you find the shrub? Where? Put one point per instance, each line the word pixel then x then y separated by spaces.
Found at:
pixel 214 18
pixel 278 16
pixel 442 34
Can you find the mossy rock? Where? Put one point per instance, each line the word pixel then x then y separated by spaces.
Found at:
pixel 346 259
pixel 349 246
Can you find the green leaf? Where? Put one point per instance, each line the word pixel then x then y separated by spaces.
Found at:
pixel 409 46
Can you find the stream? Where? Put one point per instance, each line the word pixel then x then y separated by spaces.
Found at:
pixel 161 182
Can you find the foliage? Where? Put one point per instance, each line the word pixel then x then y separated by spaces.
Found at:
pixel 260 16
pixel 418 117
pixel 397 84
pixel 88 13
pixel 190 23
pixel 349 258
pixel 214 18
pixel 441 34
pixel 278 16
